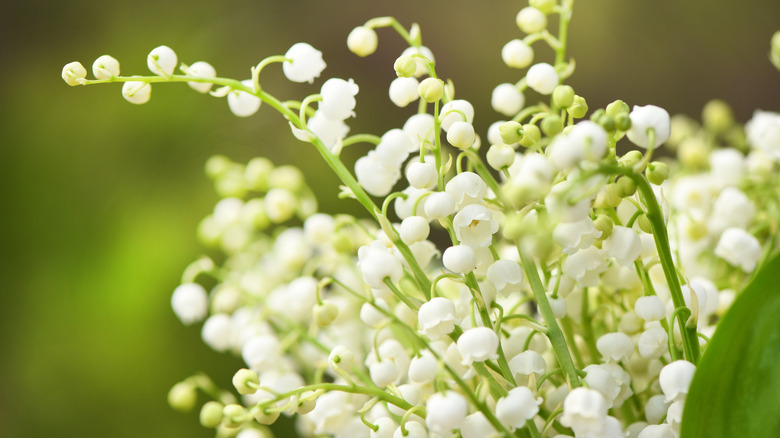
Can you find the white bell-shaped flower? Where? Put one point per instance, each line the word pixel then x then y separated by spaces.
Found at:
pixel 437 318
pixel 280 204
pixel 477 425
pixel 517 54
pixel 507 99
pixel 439 205
pixel 657 431
pixel 419 128
pixel 729 166
pixel 739 248
pixel 451 113
pixel 624 245
pixel 384 372
pixel 242 103
pixel 585 411
pixel 362 41
pixel 403 91
pixel 414 229
pixel 528 362
pixel 591 139
pixel 560 209
pixel 445 412
pixel 413 430
pixel 573 236
pixel 373 317
pixel 478 344
pixel 531 20
pixel 372 174
pixel 422 175
pixel 517 407
pixel 338 98
pixel 105 66
pixel 653 343
pixel 137 92
pixel 542 78
pixel 674 415
pixel 423 368
pixel 732 208
pixel 393 148
pixel 201 69
pixel 319 228
pixel 331 132
pixel 599 378
pixel 585 266
pixel 461 135
pixel 303 63
pixel 675 378
pixel 763 132
pixel 190 303
pixel 376 263
pixel 262 352
pixel 645 118
pixel 474 226
pixel 460 259
pixel 656 408
pixel 506 276
pixel 73 73
pixel 162 61
pixel 501 156
pixel 217 332
pixel 650 308
pixel 466 188
pixel 616 346
pixel 422 67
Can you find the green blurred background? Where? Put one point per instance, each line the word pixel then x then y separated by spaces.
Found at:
pixel 101 198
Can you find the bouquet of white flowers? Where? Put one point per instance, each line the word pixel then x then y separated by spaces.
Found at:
pixel 530 282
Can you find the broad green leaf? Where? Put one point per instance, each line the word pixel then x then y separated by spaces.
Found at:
pixel 736 389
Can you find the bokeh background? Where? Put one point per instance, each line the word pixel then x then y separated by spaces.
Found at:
pixel 101 198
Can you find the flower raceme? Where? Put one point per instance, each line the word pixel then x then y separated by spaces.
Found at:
pixel 534 290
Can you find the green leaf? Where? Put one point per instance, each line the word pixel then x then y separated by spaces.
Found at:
pixel 736 389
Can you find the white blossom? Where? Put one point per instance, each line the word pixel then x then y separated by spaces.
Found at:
pixel 474 226
pixel 478 344
pixel 445 412
pixel 507 99
pixel 517 54
pixel 585 411
pixel 675 378
pixel 303 63
pixel 506 276
pixel 542 78
pixel 437 317
pixel 650 308
pixel 646 118
pixel 624 245
pixel 242 103
pixel 460 258
pixel 105 66
pixel 362 41
pixel 419 128
pixel 422 175
pixel 201 69
pixel 137 92
pixel 377 263
pixel 338 98
pixel 531 20
pixel 403 91
pixel 426 53
pixel 162 61
pixel 466 188
pixel 517 407
pixel 190 303
pixel 451 113
pixel 573 236
pixel 763 132
pixel 739 248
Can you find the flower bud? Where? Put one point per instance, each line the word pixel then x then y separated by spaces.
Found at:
pixel 246 381
pixel 531 20
pixel 517 54
pixel 162 61
pixel 190 303
pixel 542 78
pixel 510 132
pixel 552 125
pixel 341 357
pixel 630 159
pixel 546 6
pixel 507 99
pixel 267 418
pixel 657 172
pixel 439 205
pixel 532 135
pixel 422 175
pixel 622 122
pixel 405 66
pixel 403 91
pixel 625 187
pixel 774 54
pixel 137 92
pixel 233 415
pixel 211 414
pixel 459 258
pixel 647 118
pixel 578 108
pixel 431 89
pixel 306 403
pixel 242 103
pixel 717 116
pixel 105 67
pixel 204 70
pixel 325 313
pixel 183 396
pixel 362 41
pixel 617 107
pixel 563 96
pixel 73 73
pixel 461 135
pixel 500 156
pixel 414 229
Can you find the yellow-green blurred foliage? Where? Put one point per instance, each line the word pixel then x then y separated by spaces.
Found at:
pixel 101 198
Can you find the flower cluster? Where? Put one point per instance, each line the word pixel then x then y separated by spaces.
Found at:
pixel 552 288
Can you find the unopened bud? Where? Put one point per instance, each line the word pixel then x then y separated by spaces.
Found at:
pixel 405 66
pixel 431 89
pixel 630 159
pixel 578 108
pixel 211 414
pixel 183 396
pixel 618 107
pixel 532 135
pixel 510 132
pixel 717 116
pixel 246 381
pixel 626 187
pixel 74 73
pixel 552 125
pixel 657 172
pixel 325 313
